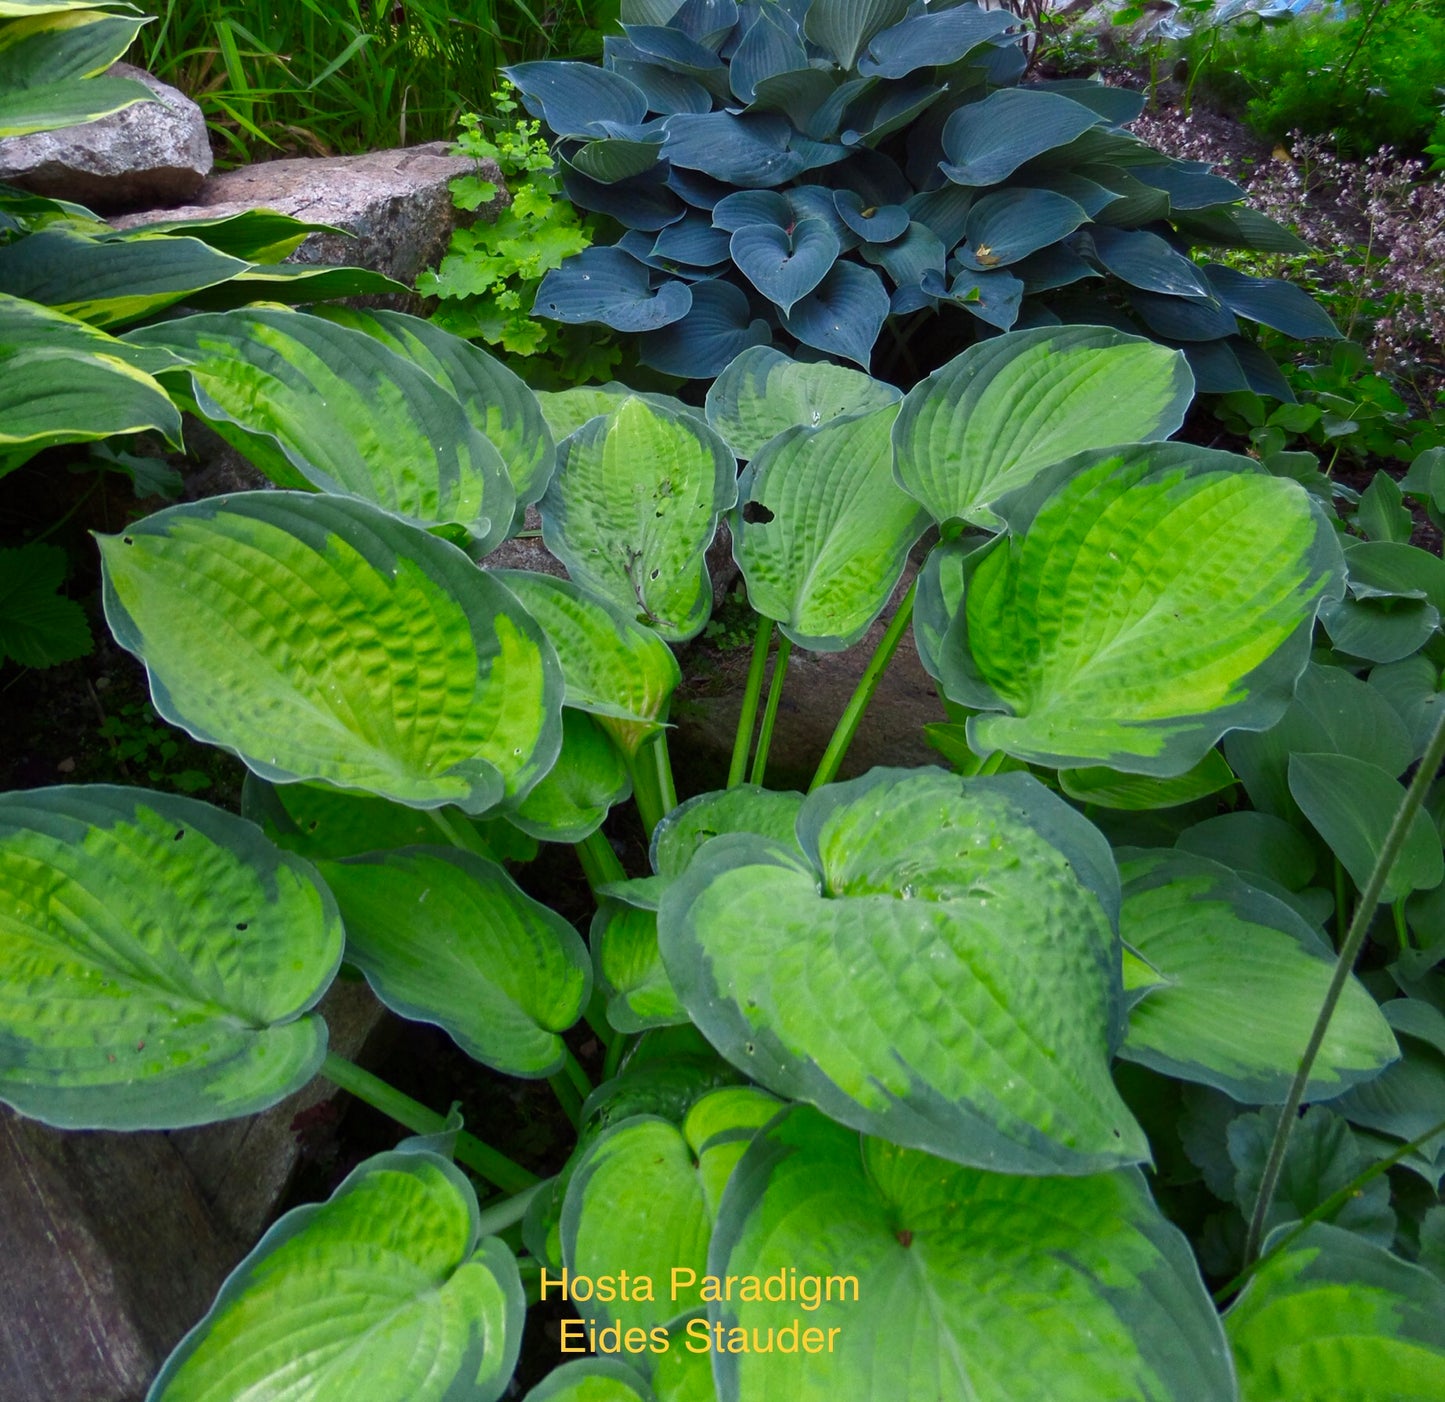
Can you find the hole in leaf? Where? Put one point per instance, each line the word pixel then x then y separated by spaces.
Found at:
pixel 127 540
pixel 241 925
pixel 179 834
pixel 654 574
pixel 756 514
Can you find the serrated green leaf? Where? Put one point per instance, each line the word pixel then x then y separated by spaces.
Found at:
pixel 992 417
pixel 1330 1316
pixel 158 961
pixel 615 669
pixel 1240 981
pixel 950 1282
pixel 39 626
pixel 320 638
pixel 430 1311
pixel 1148 599
pixel 445 936
pixel 976 902
pixel 1351 804
pixel 822 532
pixel 633 508
pixel 322 405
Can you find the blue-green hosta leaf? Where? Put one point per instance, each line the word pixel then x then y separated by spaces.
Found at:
pixel 771 46
pixel 1147 599
pixel 644 1192
pixel 843 314
pixel 1240 980
pixel 110 283
pixel 1253 844
pixel 874 224
pixel 718 326
pixel 1412 689
pixel 785 265
pixel 592 1380
pixel 158 961
pixel 764 392
pixel 612 158
pixel 948 1282
pixel 1331 1315
pixel 1136 793
pixel 926 40
pixel 445 936
pixel 749 151
pixel 1351 804
pixel 678 838
pixel 607 285
pixel 994 297
pixel 822 532
pixel 1271 301
pixel 1332 713
pixel 990 418
pixel 384 1293
pixel 320 638
pixel 843 28
pixel 1010 224
pixel 578 99
pixel 1147 261
pixel 633 508
pixel 980 904
pixel 573 798
pixel 615 669
pixel 320 405
pixel 987 141
pixel 629 966
pixel 495 399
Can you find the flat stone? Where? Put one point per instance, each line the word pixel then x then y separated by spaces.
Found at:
pixel 395 206
pixel 149 154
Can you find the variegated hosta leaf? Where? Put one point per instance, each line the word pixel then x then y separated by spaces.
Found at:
pixel 763 393
pixel 312 403
pixel 617 670
pixel 1239 980
pixel 823 531
pixel 566 410
pixel 940 966
pixel 986 422
pixel 633 508
pixel 572 799
pixel 1333 1316
pixel 447 937
pixel 158 960
pixel 629 967
pixel 679 837
pixel 1146 600
pixel 495 399
pixel 1136 793
pixel 592 1380
pixel 936 1281
pixel 384 1293
pixel 321 638
pixel 645 1192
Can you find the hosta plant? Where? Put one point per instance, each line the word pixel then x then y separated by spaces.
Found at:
pixel 962 1081
pixel 807 173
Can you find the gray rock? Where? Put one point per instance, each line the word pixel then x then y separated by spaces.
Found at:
pixel 152 153
pixel 395 206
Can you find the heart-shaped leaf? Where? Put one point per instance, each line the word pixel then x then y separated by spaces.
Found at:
pixel 987 141
pixel 843 314
pixel 633 508
pixel 607 285
pixel 320 638
pixel 577 99
pixel 990 418
pixel 823 532
pixel 495 399
pixel 1132 655
pixel 1010 224
pixel 939 1281
pixel 994 297
pixel 719 325
pixel 592 1380
pixel 629 967
pixel 749 151
pixel 771 45
pixel 431 1312
pixel 566 410
pixel 785 265
pixel 763 392
pixel 447 937
pixel 312 403
pixel 872 223
pixel 615 669
pixel 1240 981
pixel 679 837
pixel 931 40
pixel 979 902
pixel 1329 1311
pixel 158 961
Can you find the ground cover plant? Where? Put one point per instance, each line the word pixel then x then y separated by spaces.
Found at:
pixel 995 1065
pixel 327 77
